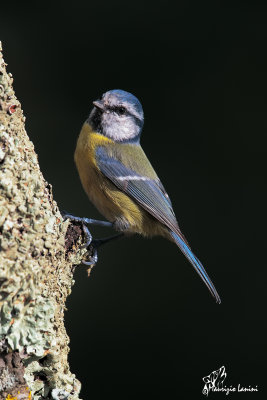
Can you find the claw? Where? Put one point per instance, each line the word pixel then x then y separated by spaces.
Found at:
pixel 94 258
pixel 87 235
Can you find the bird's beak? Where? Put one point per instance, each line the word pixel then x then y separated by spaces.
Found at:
pixel 99 105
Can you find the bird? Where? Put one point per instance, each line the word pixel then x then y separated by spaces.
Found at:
pixel 119 179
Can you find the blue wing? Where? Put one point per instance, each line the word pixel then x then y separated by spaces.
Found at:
pixel 147 192
pixel 151 195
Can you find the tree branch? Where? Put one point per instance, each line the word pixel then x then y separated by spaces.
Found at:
pixel 37 253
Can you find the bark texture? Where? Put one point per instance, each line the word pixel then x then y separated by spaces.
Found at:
pixel 37 253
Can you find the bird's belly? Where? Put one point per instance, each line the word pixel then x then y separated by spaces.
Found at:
pixel 110 201
pixel 107 198
pixel 115 205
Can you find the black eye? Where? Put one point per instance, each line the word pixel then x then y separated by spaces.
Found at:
pixel 120 110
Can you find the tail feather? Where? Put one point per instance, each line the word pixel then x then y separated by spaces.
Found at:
pixel 184 247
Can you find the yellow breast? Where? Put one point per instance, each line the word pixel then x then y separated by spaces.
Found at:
pixel 107 198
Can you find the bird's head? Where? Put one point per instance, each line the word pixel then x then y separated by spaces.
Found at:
pixel 118 115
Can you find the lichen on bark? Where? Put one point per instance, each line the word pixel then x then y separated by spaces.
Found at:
pixel 36 267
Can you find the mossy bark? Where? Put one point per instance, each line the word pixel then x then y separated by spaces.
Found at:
pixel 36 267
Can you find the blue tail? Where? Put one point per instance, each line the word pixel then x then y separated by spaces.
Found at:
pixel 184 247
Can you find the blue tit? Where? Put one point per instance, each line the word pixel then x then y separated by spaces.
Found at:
pixel 119 179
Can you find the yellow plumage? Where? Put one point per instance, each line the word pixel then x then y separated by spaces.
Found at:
pixel 108 199
pixel 119 179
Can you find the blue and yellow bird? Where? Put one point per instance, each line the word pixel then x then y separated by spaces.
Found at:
pixel 119 179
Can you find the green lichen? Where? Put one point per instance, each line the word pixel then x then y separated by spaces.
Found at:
pixel 35 276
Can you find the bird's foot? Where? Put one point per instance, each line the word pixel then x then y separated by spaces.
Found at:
pixel 99 242
pixel 85 221
pixel 93 258
pixel 87 236
pixel 95 244
pixel 89 241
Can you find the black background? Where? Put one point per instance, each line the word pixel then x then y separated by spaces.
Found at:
pixel 144 324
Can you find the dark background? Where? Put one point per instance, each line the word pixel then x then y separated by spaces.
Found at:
pixel 144 324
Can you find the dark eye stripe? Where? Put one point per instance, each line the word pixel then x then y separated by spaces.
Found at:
pixel 118 109
pixel 121 110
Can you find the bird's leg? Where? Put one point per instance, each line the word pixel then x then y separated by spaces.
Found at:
pixel 96 243
pixel 99 242
pixel 88 237
pixel 85 221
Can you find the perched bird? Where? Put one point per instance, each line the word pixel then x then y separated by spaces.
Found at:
pixel 119 179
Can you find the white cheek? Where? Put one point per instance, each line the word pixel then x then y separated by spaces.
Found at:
pixel 119 128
